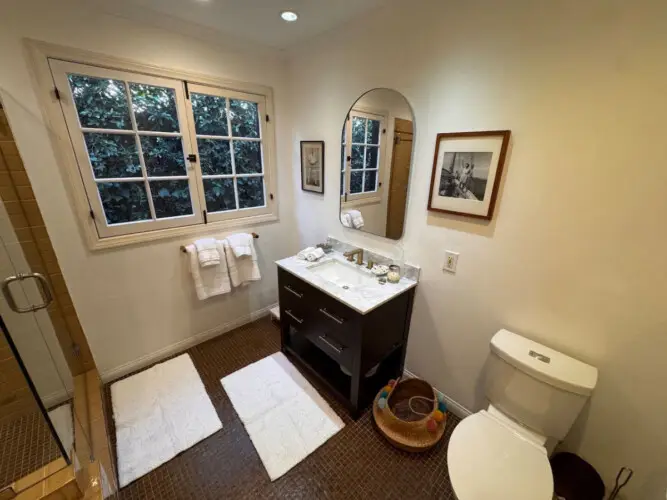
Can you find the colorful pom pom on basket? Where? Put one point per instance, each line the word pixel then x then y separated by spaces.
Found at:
pixel 409 414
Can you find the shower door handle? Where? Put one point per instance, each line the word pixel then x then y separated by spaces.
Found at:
pixel 42 284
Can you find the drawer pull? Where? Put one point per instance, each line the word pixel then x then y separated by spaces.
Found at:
pixel 291 290
pixel 289 313
pixel 335 348
pixel 338 320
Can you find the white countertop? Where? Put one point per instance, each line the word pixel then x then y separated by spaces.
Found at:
pixel 361 298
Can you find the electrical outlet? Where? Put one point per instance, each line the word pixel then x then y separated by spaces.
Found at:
pixel 451 260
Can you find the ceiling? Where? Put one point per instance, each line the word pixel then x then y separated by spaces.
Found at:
pixel 259 21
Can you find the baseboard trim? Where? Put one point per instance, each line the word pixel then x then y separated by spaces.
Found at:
pixel 183 345
pixel 55 399
pixel 456 408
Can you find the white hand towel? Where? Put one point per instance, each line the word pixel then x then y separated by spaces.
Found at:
pixel 207 252
pixel 211 280
pixel 242 270
pixel 345 219
pixel 311 254
pixel 302 254
pixel 357 219
pixel 241 244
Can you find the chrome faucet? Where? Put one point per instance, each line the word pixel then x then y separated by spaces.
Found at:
pixel 358 252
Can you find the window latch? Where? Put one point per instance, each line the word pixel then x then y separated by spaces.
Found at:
pixel 192 158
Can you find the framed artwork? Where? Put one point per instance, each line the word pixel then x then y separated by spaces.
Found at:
pixel 467 168
pixel 312 166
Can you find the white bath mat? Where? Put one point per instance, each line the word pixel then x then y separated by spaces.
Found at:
pixel 284 415
pixel 159 413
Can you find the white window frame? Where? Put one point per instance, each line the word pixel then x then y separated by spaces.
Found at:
pixel 40 54
pixel 364 198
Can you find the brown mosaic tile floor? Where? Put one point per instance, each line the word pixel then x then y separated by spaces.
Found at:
pixel 355 463
pixel 26 445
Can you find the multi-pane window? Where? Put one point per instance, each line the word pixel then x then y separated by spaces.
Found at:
pixel 362 135
pixel 156 153
pixel 229 141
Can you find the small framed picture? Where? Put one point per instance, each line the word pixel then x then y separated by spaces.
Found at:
pixel 312 166
pixel 467 168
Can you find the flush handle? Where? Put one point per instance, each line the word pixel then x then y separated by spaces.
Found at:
pixel 540 357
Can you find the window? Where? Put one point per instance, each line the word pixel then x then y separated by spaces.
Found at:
pixel 229 141
pixel 158 153
pixel 360 173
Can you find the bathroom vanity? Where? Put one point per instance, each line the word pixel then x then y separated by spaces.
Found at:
pixel 344 327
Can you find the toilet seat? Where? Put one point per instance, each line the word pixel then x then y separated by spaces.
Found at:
pixel 487 459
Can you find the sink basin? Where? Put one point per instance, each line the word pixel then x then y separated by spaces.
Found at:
pixel 342 274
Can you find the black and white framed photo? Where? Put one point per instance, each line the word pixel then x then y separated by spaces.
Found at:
pixel 467 168
pixel 312 166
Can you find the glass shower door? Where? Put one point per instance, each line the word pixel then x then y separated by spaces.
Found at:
pixel 38 423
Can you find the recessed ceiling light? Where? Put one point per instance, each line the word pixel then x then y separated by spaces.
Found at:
pixel 289 16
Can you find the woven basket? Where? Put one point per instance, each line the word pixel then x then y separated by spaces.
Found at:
pixel 402 427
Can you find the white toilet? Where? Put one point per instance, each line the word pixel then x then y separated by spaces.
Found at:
pixel 535 394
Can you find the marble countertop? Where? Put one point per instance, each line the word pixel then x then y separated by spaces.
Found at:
pixel 362 298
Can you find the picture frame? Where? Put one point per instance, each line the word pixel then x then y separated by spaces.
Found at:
pixel 312 166
pixel 467 169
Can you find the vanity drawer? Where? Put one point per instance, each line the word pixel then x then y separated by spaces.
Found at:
pixel 337 320
pixel 292 288
pixel 340 353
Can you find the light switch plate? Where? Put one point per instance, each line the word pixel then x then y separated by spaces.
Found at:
pixel 451 260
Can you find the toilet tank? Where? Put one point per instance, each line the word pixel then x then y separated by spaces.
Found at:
pixel 539 387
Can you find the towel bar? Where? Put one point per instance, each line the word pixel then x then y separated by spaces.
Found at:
pixel 254 235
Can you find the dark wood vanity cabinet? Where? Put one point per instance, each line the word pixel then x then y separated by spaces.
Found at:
pixel 341 346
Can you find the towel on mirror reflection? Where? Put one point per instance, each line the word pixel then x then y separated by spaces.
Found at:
pixel 357 219
pixel 207 252
pixel 241 244
pixel 311 254
pixel 242 270
pixel 346 219
pixel 211 280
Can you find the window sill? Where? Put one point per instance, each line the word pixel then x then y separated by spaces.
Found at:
pixel 361 202
pixel 97 243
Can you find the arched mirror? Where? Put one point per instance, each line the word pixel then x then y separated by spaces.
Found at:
pixel 376 158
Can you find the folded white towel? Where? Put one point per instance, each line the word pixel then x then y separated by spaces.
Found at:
pixel 345 219
pixel 207 252
pixel 357 219
pixel 302 254
pixel 212 280
pixel 241 244
pixel 243 269
pixel 311 254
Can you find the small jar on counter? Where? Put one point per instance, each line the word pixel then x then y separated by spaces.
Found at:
pixel 394 275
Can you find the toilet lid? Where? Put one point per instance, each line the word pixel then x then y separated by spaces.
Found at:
pixel 488 460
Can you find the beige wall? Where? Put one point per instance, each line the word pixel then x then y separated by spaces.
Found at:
pixel 134 302
pixel 575 255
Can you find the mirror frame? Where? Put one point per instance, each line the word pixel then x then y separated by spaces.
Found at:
pixel 364 198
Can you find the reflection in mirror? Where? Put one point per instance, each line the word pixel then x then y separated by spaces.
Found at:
pixel 376 154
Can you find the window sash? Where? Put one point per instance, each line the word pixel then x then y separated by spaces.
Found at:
pixel 60 70
pixel 265 173
pixel 347 167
